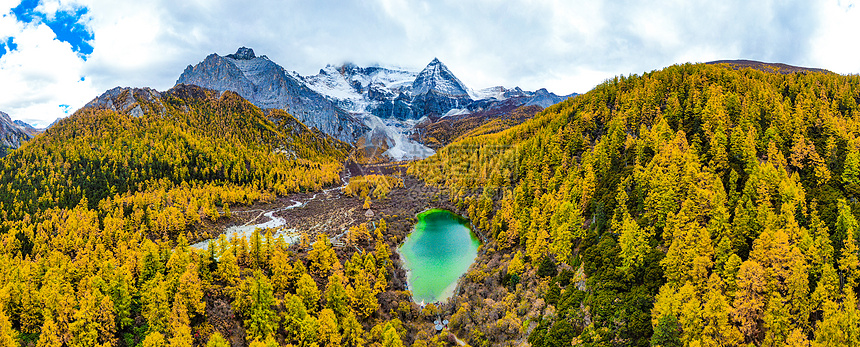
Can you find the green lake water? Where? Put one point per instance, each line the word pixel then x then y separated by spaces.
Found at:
pixel 439 250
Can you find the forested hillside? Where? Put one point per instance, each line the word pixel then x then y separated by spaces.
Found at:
pixel 699 205
pixel 189 135
pixel 704 205
pixel 440 133
pixel 98 213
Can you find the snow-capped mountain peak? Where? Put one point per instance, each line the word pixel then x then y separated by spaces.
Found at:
pixel 437 78
pixel 360 90
pixel 243 53
pixel 350 102
pixel 268 85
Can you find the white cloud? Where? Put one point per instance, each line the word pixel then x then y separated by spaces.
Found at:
pixel 51 7
pixel 566 46
pixel 836 46
pixel 40 75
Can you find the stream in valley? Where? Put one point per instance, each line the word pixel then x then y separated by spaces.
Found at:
pixel 270 221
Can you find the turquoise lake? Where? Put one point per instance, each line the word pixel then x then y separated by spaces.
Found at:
pixel 439 250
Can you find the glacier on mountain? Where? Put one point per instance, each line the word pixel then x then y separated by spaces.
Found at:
pixel 268 85
pixel 392 100
pixel 348 102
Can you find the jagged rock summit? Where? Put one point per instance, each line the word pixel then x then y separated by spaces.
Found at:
pixel 368 105
pixel 544 98
pixel 268 86
pixel 13 133
pixel 125 100
pixel 437 78
pixel 436 90
pixel 243 53
pixel 405 95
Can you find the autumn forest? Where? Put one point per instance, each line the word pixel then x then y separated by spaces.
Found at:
pixel 697 205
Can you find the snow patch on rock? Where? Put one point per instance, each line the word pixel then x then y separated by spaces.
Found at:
pixel 400 146
pixel 456 112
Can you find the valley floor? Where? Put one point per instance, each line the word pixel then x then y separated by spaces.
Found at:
pixel 333 213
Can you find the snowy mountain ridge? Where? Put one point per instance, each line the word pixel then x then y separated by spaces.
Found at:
pixel 268 85
pixel 437 78
pixel 357 89
pixel 379 105
pixel 402 94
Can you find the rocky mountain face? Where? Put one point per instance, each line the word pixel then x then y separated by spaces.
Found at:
pixel 401 106
pixel 404 95
pixel 268 85
pixel 383 92
pixel 27 128
pixel 13 133
pixel 129 101
pixel 436 90
pixel 368 106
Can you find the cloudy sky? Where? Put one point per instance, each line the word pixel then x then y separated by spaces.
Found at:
pixel 57 55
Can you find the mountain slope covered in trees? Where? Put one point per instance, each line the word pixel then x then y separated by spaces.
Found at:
pixel 436 134
pixel 695 205
pixel 97 214
pixel 185 135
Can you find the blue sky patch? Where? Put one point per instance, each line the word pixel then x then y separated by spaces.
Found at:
pixel 25 11
pixel 10 42
pixel 8 45
pixel 66 25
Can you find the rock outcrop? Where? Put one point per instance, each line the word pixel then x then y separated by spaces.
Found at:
pixel 268 85
pixel 13 133
pixel 367 106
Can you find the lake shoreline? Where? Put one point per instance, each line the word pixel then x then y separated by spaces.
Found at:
pixel 436 254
